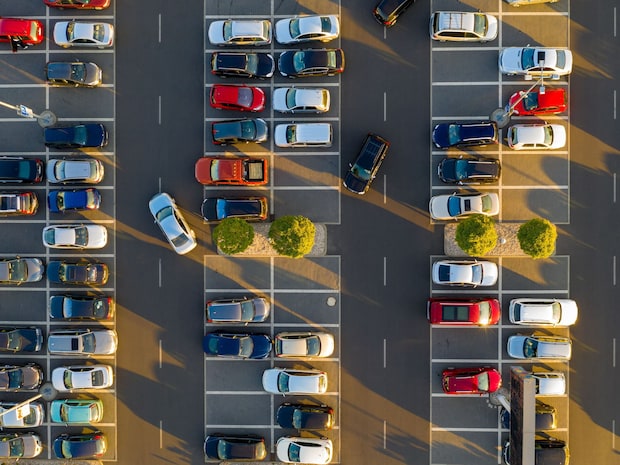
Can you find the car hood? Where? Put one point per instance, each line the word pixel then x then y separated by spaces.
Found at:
pixel 438 207
pixel 569 312
pixel 555 386
pixel 36 269
pixel 510 59
pixel 106 342
pixel 515 346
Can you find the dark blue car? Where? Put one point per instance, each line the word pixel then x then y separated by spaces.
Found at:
pixel 223 344
pixel 60 201
pixel 78 136
pixel 446 135
pixel 80 446
pixel 28 339
pixel 305 417
pixel 74 307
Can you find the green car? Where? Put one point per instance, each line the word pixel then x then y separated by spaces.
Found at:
pixel 76 411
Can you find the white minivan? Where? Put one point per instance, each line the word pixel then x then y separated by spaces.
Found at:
pixel 303 135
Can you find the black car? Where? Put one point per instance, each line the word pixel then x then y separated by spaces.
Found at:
pixel 60 201
pixel 82 272
pixel 28 339
pixel 239 131
pixel 469 170
pixel 239 64
pixel 20 377
pixel 78 136
pixel 76 307
pixel 223 344
pixel 229 447
pixel 311 62
pixel 248 208
pixel 549 451
pixel 74 74
pixel 305 417
pixel 545 417
pixel 365 168
pixel 387 12
pixel 446 135
pixel 20 169
pixel 80 446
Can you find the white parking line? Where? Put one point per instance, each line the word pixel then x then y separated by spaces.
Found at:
pixel 385 271
pixel 159 27
pixel 384 353
pixel 384 106
pixel 613 352
pixel 160 353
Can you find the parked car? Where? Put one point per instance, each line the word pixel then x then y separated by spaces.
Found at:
pixel 460 26
pixel 543 312
pixel 21 33
pixel 21 339
pixel 290 449
pixel 539 347
pixel 291 381
pixel 235 447
pixel 234 345
pixel 83 34
pixel 546 417
pixel 240 32
pixel 456 206
pixel 307 28
pixel 537 102
pixel 232 171
pixel 469 170
pixel 549 383
pixel 61 201
pixel 31 416
pixel 238 310
pixel 78 4
pixel 80 377
pixel 242 64
pixel 75 236
pixel 73 74
pixel 471 380
pixel 366 166
pixel 303 135
pixel 550 451
pixel 20 377
pixel 80 446
pixel 536 62
pixel 301 100
pixel 311 62
pixel 168 217
pixel 76 411
pixel 303 344
pixel 82 272
pixel 387 12
pixel 82 341
pixel 247 208
pixel 18 203
pixel 305 417
pixel 21 270
pixel 239 98
pixel 465 273
pixel 20 445
pixel 447 135
pixel 77 136
pixel 80 307
pixel 463 311
pixel 20 170
pixel 74 171
pixel 239 131
pixel 536 136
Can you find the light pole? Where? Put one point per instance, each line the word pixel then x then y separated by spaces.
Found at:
pixel 501 116
pixel 45 118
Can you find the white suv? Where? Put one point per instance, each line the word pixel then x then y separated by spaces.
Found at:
pixel 303 135
pixel 543 312
pixel 539 347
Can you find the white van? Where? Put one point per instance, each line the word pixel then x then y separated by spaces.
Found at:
pixel 303 135
pixel 549 383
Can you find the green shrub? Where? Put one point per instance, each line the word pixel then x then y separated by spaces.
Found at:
pixel 233 235
pixel 476 235
pixel 537 238
pixel 292 236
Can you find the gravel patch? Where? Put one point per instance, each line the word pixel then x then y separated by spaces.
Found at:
pixel 509 247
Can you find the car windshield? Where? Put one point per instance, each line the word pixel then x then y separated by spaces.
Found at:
pixel 454 134
pixel 483 381
pixel 485 312
pixel 88 343
pixel 476 273
pixel 461 169
pixel 293 27
pixel 70 31
pixel 548 135
pixel 246 346
pixel 283 380
pixel 480 25
pixel 251 65
pixel 163 214
pixel 291 133
pixel 313 346
pixel 361 172
pixel 245 96
pixel 454 205
pixel 527 58
pixel 80 135
pixel 247 310
pixel 78 72
pixel 291 98
pixel 530 347
pixel 248 129
pixel 530 101
pixel 99 32
pixel 59 170
pixel 227 30
pixel 10 340
pixel 18 270
pixel 11 379
pixel 293 453
pixel 81 236
pixel 11 447
pixel 99 309
pixel 487 203
pixel 96 377
pixel 66 379
pixel 299 61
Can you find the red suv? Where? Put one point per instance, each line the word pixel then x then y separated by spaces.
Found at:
pixel 21 32
pixel 463 311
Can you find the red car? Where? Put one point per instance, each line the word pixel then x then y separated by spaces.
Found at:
pixel 473 380
pixel 21 32
pixel 240 98
pixel 460 311
pixel 239 171
pixel 537 103
pixel 79 4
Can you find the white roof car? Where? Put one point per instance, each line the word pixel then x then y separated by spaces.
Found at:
pixel 293 381
pixel 307 28
pixel 75 236
pixel 536 136
pixel 69 378
pixel 82 341
pixel 20 445
pixel 240 32
pixel 303 135
pixel 290 449
pixel 181 237
pixel 465 273
pixel 87 171
pixel 28 416
pixel 539 347
pixel 458 26
pixel 304 344
pixel 301 100
pixel 543 312
pixel 536 62
pixel 83 34
pixel 455 206
pixel 549 383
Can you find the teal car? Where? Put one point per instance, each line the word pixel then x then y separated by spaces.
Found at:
pixel 76 411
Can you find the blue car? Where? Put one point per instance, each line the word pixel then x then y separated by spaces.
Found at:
pixel 80 446
pixel 78 136
pixel 60 201
pixel 446 135
pixel 223 344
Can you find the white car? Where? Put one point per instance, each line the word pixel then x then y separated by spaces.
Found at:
pixel 83 171
pixel 75 236
pixel 536 136
pixel 83 34
pixel 303 135
pixel 301 100
pixel 240 32
pixel 543 312
pixel 459 26
pixel 181 237
pixel 292 381
pixel 70 378
pixel 303 344
pixel 456 206
pixel 82 341
pixel 549 383
pixel 307 28
pixel 535 347
pixel 465 273
pixel 29 416
pixel 290 449
pixel 535 62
